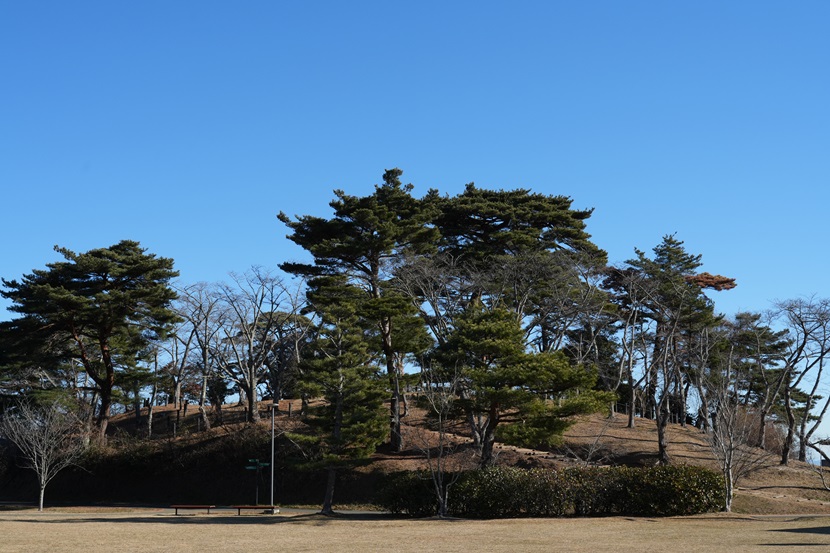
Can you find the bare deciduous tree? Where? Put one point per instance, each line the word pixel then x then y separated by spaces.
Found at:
pixel 442 448
pixel 257 311
pixel 48 438
pixel 199 306
pixel 733 429
pixel 808 323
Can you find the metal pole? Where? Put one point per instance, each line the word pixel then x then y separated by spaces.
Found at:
pixel 273 412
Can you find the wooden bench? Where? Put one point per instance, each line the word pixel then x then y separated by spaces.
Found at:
pixel 192 507
pixel 272 508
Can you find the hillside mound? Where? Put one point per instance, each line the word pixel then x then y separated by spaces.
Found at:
pixel 183 462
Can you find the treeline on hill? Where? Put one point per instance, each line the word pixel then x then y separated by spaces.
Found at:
pixel 493 308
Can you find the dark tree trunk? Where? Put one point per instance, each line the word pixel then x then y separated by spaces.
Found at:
pixel 488 439
pixel 251 403
pixel 393 372
pixel 328 499
pixel 788 442
pixel 395 439
pixel 762 429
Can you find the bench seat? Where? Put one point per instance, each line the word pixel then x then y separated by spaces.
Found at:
pixel 192 507
pixel 272 508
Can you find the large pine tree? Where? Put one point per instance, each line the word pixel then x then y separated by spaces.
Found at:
pixel 363 242
pixel 348 424
pixel 669 293
pixel 100 308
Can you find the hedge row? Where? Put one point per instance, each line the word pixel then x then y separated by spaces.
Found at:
pixel 504 492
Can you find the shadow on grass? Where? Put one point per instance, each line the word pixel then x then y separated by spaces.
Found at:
pixel 315 519
pixel 825 530
pixel 820 530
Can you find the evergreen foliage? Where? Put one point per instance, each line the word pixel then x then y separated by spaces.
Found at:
pixel 100 308
pixel 523 398
pixel 364 240
pixel 348 425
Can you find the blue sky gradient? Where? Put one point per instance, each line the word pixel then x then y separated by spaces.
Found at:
pixel 189 125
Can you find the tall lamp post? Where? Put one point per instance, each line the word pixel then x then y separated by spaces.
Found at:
pixel 274 407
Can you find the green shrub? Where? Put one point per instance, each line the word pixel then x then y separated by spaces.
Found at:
pixel 408 493
pixel 671 491
pixel 548 493
pixel 595 491
pixel 496 492
pixel 506 492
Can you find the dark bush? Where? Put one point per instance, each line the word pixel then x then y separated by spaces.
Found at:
pixel 548 493
pixel 497 492
pixel 596 491
pixel 670 491
pixel 408 493
pixel 504 492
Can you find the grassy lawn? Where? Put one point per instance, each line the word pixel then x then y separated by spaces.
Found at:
pixel 151 531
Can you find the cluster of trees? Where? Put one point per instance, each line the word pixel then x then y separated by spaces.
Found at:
pixel 498 300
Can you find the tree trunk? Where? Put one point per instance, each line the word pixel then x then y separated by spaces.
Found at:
pixel 443 499
pixel 177 393
pixel 729 482
pixel 150 411
pixel 684 400
pixel 220 416
pixel 106 385
pixel 151 404
pixel 202 402
pixel 395 437
pixel 488 439
pixel 137 410
pixel 251 400
pixel 788 442
pixel 329 497
pixel 663 416
pixel 41 495
pixel 703 414
pixel 762 430
pixel 104 415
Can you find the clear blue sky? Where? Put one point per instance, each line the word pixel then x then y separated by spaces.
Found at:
pixel 188 125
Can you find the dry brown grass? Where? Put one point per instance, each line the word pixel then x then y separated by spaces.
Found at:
pixel 150 532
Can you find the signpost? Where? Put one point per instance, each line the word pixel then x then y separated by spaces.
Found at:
pixel 257 466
